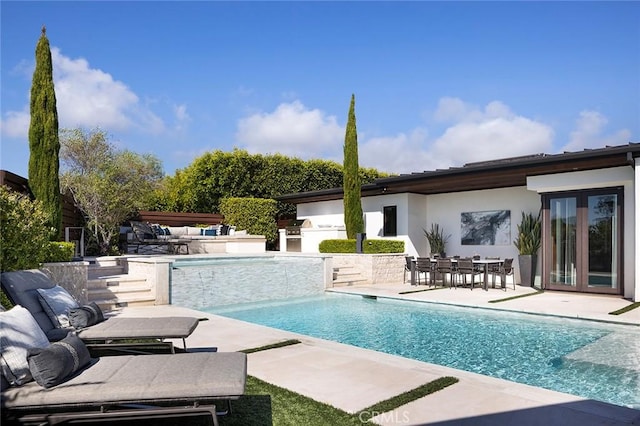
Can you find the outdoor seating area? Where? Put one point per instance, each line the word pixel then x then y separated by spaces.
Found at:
pixel 460 271
pixel 57 366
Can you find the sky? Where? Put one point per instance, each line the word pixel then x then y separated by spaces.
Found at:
pixel 436 84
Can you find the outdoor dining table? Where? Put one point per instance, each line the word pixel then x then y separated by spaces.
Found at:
pixel 484 263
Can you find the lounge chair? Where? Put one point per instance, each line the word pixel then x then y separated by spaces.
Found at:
pixel 21 287
pixel 69 385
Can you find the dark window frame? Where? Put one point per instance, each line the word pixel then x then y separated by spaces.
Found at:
pixel 390 221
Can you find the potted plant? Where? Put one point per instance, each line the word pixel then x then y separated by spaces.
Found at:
pixel 528 243
pixel 437 239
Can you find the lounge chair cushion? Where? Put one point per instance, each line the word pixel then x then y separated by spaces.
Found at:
pixel 19 332
pixel 156 379
pixel 21 287
pixel 85 316
pixel 57 362
pixel 57 302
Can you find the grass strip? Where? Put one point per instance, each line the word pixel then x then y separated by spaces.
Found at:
pixel 265 404
pixel 625 309
pixel 421 290
pixel 517 297
pixel 412 395
pixel 272 346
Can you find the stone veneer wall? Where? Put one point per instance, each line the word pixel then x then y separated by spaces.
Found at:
pixel 72 276
pixel 375 268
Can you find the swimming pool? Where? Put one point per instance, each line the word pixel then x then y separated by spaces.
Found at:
pixel 588 359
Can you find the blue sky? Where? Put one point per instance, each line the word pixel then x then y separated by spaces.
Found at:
pixel 437 84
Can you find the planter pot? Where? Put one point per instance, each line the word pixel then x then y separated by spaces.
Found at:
pixel 527 263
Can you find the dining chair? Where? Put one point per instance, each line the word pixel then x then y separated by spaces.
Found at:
pixel 444 267
pixel 503 270
pixel 424 266
pixel 407 266
pixel 466 268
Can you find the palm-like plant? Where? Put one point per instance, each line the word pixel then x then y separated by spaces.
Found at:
pixel 436 237
pixel 529 234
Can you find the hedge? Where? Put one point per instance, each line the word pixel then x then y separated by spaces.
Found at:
pixel 369 246
pixel 255 215
pixel 60 252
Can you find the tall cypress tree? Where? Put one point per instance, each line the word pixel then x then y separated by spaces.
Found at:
pixel 353 219
pixel 44 144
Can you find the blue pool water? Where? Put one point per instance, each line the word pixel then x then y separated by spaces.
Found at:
pixel 593 360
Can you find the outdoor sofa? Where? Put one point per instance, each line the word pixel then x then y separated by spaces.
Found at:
pixel 50 383
pixel 26 288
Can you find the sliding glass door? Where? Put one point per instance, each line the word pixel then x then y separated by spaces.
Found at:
pixel 583 240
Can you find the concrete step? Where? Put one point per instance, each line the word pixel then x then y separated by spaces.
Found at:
pixel 115 304
pixel 102 271
pixel 119 280
pixel 347 276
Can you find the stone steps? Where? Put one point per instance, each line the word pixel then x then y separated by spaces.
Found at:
pixel 345 276
pixel 111 288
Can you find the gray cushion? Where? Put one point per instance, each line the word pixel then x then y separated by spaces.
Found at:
pixel 18 333
pixel 85 316
pixel 57 362
pixel 140 379
pixel 21 287
pixel 140 328
pixel 57 302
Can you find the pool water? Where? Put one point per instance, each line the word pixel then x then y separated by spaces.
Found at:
pixel 589 359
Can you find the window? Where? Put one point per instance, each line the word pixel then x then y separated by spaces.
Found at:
pixel 389 228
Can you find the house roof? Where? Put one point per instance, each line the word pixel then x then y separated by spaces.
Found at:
pixel 500 173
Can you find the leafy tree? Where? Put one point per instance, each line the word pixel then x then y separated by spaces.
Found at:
pixel 256 215
pixel 24 241
pixel 44 144
pixel 217 175
pixel 353 217
pixel 107 185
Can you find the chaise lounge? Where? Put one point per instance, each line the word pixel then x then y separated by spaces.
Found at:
pixel 50 383
pixel 25 288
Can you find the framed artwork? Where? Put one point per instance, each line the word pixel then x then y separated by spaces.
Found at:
pixel 492 228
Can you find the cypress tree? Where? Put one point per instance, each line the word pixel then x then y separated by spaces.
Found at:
pixel 353 219
pixel 44 144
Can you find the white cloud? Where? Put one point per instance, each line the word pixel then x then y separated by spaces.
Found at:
pixel 181 116
pixel 473 134
pixel 589 133
pixel 291 130
pixel 493 133
pixel 88 97
pixel 16 123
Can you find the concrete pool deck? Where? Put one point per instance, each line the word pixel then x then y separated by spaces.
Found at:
pixel 353 379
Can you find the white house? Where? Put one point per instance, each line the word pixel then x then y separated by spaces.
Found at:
pixel 589 200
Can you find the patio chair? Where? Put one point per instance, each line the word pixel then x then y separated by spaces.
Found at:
pixel 59 382
pixel 467 268
pixel 50 305
pixel 407 266
pixel 504 270
pixel 425 267
pixel 444 267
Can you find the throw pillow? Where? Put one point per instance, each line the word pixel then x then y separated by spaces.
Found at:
pixel 85 316
pixel 57 362
pixel 57 302
pixel 19 331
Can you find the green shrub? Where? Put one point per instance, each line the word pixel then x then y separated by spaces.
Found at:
pixel 255 215
pixel 24 236
pixel 60 252
pixel 383 246
pixel 370 246
pixel 337 246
